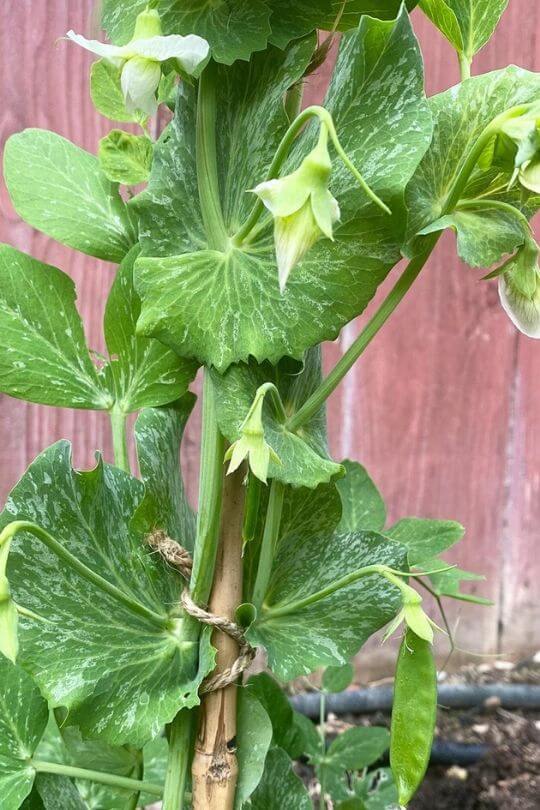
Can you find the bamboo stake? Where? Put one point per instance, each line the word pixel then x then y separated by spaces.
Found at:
pixel 215 767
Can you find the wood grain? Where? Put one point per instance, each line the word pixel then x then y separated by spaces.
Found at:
pixel 444 408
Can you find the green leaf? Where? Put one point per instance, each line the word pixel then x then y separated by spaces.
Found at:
pixel 425 538
pixel 142 373
pixel 233 30
pixel 331 630
pixel 125 158
pixel 460 115
pixel 226 305
pixel 448 583
pixel 466 24
pixel 336 679
pixel 43 356
pixel 23 718
pixel 120 675
pixel 363 506
pixel 54 792
pixel 357 748
pixel 279 786
pixel 158 434
pixel 254 735
pixel 484 235
pixel 59 189
pixel 287 734
pixel 304 458
pixel 106 91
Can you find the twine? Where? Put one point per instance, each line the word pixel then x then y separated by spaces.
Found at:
pixel 246 652
pixel 171 551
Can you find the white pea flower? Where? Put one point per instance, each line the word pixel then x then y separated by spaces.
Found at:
pixel 140 60
pixel 252 444
pixel 523 135
pixel 304 210
pixel 519 289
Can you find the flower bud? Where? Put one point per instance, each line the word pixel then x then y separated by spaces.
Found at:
pixel 9 642
pixel 252 444
pixel 304 210
pixel 519 289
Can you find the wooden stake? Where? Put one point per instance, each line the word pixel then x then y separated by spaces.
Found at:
pixel 215 768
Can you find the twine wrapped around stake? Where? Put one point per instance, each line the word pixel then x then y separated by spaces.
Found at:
pixel 177 556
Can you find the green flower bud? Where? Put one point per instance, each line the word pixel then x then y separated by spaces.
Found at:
pixel 9 642
pixel 519 289
pixel 140 60
pixel 412 614
pixel 252 444
pixel 304 210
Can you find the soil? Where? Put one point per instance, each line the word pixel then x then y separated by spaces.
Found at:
pixel 508 776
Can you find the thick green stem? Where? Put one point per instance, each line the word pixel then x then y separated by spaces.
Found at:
pixel 110 779
pixel 269 540
pixel 464 66
pixel 119 437
pixel 207 174
pixel 210 498
pixel 322 732
pixel 178 762
pixel 107 587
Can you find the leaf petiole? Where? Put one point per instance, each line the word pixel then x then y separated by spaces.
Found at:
pixel 110 779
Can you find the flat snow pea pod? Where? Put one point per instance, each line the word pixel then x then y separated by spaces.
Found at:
pixel 413 715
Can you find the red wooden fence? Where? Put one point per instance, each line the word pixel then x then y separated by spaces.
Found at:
pixel 444 409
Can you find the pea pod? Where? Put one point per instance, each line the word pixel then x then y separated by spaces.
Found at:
pixel 413 715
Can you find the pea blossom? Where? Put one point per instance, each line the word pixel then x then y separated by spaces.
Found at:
pixel 140 60
pixel 519 289
pixel 252 444
pixel 412 614
pixel 304 210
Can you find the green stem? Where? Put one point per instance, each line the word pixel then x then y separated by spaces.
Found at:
pixel 110 779
pixel 322 732
pixel 25 526
pixel 269 541
pixel 251 509
pixel 119 437
pixel 207 173
pixel 293 100
pixel 405 281
pixel 137 754
pixel 464 66
pixel 180 735
pixel 281 154
pixel 210 497
pixel 346 362
pixel 348 579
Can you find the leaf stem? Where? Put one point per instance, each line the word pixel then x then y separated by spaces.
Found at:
pixel 269 541
pixel 498 205
pixel 119 437
pixel 322 733
pixel 110 779
pixel 180 735
pixel 207 173
pixel 279 158
pixel 63 554
pixel 343 582
pixel 464 66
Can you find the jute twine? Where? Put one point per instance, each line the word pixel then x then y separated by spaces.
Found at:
pixel 177 556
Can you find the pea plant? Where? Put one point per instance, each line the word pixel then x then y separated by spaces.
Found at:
pixel 246 232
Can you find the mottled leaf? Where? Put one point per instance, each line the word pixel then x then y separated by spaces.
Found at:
pixel 362 503
pixel 120 674
pixel 106 91
pixel 303 456
pixel 59 189
pixel 226 306
pixel 57 793
pixel 43 353
pixel 466 24
pixel 484 235
pixel 425 538
pixel 254 735
pixel 158 434
pixel 142 373
pixel 336 679
pixel 233 30
pixel 125 158
pixel 460 115
pixel 23 718
pixel 279 786
pixel 331 630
